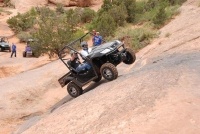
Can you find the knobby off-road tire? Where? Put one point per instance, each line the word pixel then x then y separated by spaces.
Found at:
pixel 130 57
pixel 74 90
pixel 24 54
pixel 109 71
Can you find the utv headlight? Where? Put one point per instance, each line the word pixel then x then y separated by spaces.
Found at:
pixel 105 51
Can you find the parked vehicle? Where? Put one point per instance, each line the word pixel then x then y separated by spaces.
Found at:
pixel 4 44
pixel 28 50
pixel 103 59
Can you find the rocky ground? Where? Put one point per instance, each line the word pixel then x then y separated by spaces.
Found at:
pixel 158 94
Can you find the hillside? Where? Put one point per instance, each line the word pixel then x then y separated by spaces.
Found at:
pixel 158 94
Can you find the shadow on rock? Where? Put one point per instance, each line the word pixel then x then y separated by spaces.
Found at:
pixel 94 85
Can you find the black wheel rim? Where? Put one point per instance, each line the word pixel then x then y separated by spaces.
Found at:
pixel 73 91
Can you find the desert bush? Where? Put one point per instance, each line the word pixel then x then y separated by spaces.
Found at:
pixel 160 16
pixel 87 15
pixel 171 11
pixel 22 22
pixel 176 2
pixel 106 25
pixel 73 18
pixel 107 5
pixel 60 8
pixel 53 32
pixel 136 38
pixel 24 36
pixel 130 6
pixel 121 16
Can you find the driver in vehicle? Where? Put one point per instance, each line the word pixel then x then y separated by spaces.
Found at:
pixel 76 64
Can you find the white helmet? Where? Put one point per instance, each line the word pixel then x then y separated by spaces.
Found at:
pixel 84 44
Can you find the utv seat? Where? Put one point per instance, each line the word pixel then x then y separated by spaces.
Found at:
pixel 82 72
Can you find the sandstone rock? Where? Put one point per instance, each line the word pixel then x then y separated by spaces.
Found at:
pixel 81 3
pixel 64 2
pixel 26 4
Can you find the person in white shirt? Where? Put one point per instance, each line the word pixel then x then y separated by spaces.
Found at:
pixel 85 50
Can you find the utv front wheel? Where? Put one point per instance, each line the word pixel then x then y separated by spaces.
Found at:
pixel 109 71
pixel 130 56
pixel 74 90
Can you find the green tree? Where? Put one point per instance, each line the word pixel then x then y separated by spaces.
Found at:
pixel 87 15
pixel 22 22
pixel 60 8
pixel 73 18
pixel 121 16
pixel 106 25
pixel 107 4
pixel 53 32
pixel 160 16
pixel 131 7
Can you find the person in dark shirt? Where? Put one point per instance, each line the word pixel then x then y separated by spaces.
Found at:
pixel 76 64
pixel 14 48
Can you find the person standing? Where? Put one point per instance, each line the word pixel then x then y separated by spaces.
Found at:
pixel 97 39
pixel 93 34
pixel 14 48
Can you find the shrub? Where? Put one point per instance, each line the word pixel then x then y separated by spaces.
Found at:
pixel 107 4
pixel 24 36
pixel 160 16
pixel 106 25
pixel 22 22
pixel 130 6
pixel 87 15
pixel 59 8
pixel 136 38
pixel 53 32
pixel 72 18
pixel 121 16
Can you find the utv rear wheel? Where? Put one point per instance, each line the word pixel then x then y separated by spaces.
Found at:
pixel 130 56
pixel 109 71
pixel 74 90
pixel 24 54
